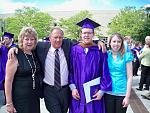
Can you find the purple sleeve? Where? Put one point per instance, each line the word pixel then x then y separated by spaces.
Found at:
pixel 71 73
pixel 0 51
pixel 105 81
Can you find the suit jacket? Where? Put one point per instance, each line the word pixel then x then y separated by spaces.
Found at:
pixel 43 47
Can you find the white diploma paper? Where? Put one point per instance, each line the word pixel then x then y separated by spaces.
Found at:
pixel 87 86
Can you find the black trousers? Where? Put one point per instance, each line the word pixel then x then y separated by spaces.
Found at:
pixel 113 104
pixel 56 101
pixel 145 77
pixel 136 65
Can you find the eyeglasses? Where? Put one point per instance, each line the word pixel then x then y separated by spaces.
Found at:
pixel 89 33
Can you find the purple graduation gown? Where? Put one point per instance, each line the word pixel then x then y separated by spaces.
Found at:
pixel 3 60
pixel 86 67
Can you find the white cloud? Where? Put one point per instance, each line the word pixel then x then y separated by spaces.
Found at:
pixel 104 4
pixel 71 5
pixel 7 6
pixel 80 5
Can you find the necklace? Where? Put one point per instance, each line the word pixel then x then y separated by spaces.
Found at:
pixel 33 69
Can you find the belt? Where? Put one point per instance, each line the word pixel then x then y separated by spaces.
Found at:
pixel 65 86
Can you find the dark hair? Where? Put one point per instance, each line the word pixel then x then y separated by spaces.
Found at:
pixel 137 43
pixel 122 49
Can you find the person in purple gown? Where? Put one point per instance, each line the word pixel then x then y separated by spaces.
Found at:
pixel 87 63
pixel 136 63
pixel 5 45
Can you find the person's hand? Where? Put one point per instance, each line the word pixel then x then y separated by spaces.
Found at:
pixel 97 96
pixel 11 52
pixel 1 43
pixel 75 94
pixel 125 102
pixel 11 109
pixel 102 46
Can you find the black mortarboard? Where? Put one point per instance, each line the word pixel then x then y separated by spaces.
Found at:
pixel 9 35
pixel 88 23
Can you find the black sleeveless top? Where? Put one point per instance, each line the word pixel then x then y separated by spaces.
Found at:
pixel 25 98
pixel 24 71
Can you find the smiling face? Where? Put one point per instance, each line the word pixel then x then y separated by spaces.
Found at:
pixel 56 38
pixel 115 43
pixel 28 44
pixel 27 39
pixel 87 35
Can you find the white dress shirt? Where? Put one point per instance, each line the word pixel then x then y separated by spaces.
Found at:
pixel 49 67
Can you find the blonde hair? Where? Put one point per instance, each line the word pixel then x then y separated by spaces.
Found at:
pixel 27 32
pixel 122 48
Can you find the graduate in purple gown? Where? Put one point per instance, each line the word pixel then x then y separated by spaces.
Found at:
pixel 5 45
pixel 87 63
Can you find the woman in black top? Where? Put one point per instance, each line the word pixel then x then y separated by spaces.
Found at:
pixel 23 73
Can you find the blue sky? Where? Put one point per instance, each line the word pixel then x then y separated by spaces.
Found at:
pixel 9 6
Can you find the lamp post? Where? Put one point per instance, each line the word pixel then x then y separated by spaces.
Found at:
pixel 2 24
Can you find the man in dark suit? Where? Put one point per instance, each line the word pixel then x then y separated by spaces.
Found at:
pixel 56 98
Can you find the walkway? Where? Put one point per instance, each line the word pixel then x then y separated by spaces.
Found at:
pixel 137 103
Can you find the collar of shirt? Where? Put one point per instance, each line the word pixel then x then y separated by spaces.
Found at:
pixel 52 49
pixel 111 54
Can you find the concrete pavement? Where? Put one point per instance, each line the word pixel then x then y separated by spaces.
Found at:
pixel 130 109
pixel 145 102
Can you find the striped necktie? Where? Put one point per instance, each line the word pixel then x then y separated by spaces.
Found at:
pixel 57 80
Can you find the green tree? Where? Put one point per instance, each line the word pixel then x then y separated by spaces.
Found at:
pixel 69 25
pixel 1 27
pixel 144 30
pixel 30 16
pixel 128 22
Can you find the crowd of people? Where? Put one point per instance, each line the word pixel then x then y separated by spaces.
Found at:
pixel 141 60
pixel 81 76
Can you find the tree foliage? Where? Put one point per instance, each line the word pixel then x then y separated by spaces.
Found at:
pixel 144 30
pixel 128 22
pixel 30 16
pixel 1 27
pixel 69 25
